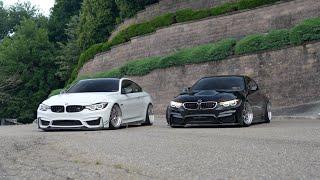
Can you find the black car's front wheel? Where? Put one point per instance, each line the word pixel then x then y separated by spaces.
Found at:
pixel 246 116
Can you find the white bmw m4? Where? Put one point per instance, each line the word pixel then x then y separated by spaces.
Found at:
pixel 97 104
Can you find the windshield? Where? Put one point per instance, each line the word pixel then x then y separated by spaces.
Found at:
pixel 97 85
pixel 232 83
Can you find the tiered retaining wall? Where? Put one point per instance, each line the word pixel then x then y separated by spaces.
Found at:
pixel 168 40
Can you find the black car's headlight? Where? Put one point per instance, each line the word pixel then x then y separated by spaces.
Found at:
pixel 97 107
pixel 175 104
pixel 230 103
pixel 43 107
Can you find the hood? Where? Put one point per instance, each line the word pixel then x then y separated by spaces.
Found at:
pixel 208 95
pixel 79 98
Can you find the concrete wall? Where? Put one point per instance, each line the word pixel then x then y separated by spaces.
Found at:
pixel 167 6
pixel 237 25
pixel 289 77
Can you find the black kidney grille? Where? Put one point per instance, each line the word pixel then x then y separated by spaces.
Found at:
pixel 75 108
pixel 200 105
pixel 57 109
pixel 191 105
pixel 208 105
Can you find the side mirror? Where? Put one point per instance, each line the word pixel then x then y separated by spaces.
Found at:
pixel 186 90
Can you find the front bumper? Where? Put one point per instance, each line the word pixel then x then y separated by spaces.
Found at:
pixel 181 116
pixel 85 119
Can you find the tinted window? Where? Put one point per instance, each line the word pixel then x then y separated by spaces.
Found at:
pixel 126 84
pixel 96 85
pixel 220 83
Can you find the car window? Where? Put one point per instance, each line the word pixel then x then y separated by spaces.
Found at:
pixel 252 83
pixel 231 83
pixel 95 85
pixel 129 85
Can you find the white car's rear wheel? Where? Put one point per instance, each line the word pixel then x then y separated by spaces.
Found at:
pixel 149 116
pixel 115 117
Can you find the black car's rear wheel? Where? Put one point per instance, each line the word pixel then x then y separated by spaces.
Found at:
pixel 246 116
pixel 268 113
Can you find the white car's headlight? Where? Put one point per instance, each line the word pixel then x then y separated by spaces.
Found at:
pixel 229 103
pixel 175 104
pixel 43 107
pixel 97 107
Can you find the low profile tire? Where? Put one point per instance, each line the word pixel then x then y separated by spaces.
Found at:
pixel 268 113
pixel 149 116
pixel 115 117
pixel 246 116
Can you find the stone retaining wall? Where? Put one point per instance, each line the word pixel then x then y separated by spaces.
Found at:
pixel 168 40
pixel 167 6
pixel 289 77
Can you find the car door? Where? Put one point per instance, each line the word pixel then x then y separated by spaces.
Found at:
pixel 129 101
pixel 255 98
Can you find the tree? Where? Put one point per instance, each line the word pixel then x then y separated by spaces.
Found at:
pixel 69 52
pixel 97 20
pixel 27 70
pixel 3 21
pixel 10 18
pixel 60 16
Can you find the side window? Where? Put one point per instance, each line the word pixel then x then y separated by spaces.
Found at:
pixel 136 87
pixel 130 87
pixel 252 85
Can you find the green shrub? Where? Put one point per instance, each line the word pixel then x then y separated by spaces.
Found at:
pixel 276 39
pixel 252 43
pixel 200 54
pixel 138 29
pixel 225 8
pixel 249 4
pixel 221 50
pixel 120 38
pixel 200 14
pixel 140 67
pixel 163 20
pixel 308 30
pixel 184 15
pixel 189 14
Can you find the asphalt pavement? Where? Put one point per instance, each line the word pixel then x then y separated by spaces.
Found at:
pixel 284 149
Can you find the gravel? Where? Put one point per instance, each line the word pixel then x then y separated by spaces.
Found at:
pixel 284 149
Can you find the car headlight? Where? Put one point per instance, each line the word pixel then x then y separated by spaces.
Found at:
pixel 44 107
pixel 229 103
pixel 97 107
pixel 175 104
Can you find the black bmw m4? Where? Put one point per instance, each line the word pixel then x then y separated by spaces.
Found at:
pixel 220 100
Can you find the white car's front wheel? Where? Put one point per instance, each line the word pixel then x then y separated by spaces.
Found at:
pixel 149 116
pixel 115 117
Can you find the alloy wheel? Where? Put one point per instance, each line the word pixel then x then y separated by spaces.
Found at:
pixel 247 114
pixel 115 117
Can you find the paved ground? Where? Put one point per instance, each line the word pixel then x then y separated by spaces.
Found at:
pixel 284 149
